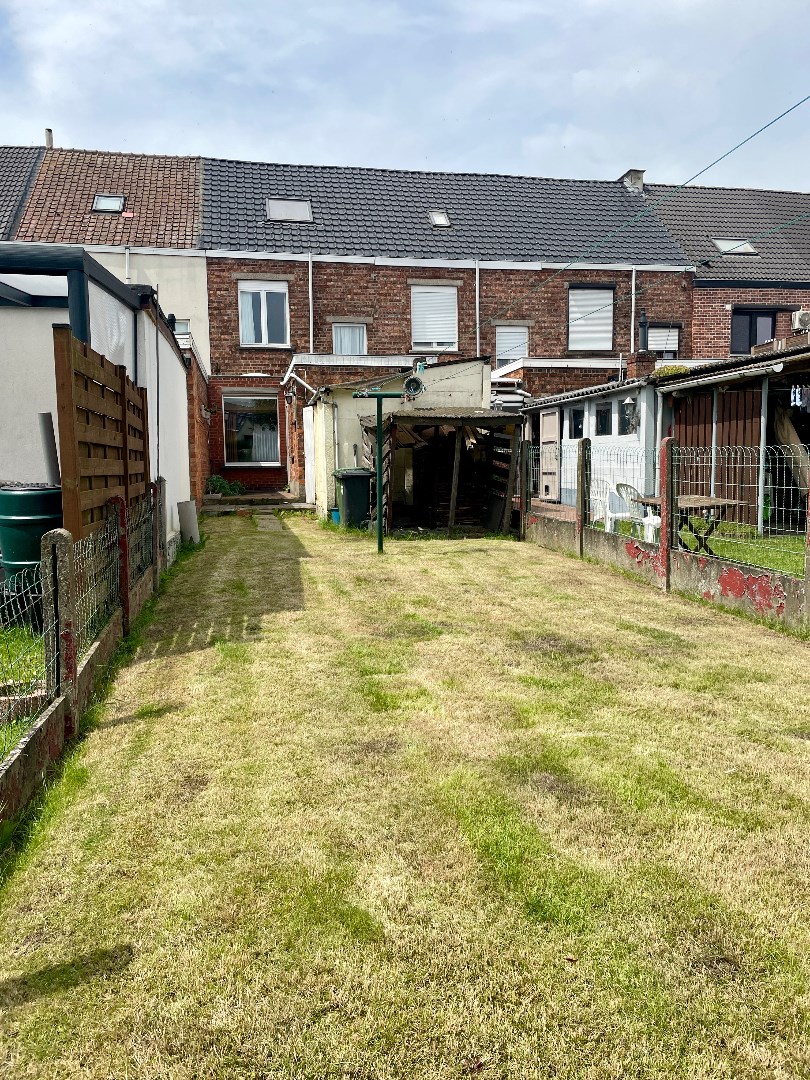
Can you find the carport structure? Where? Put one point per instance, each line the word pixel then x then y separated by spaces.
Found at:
pixel 447 467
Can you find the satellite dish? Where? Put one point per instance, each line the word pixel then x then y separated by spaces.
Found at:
pixel 414 386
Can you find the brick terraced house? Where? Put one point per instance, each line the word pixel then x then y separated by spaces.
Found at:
pixel 288 278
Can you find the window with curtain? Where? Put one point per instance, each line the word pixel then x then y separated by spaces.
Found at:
pixel 511 343
pixel 264 313
pixel 251 431
pixel 349 339
pixel 590 320
pixel 434 317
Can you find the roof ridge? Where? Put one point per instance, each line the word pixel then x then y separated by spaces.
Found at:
pixel 723 187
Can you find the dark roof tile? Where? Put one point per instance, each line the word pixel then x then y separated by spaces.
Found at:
pixel 18 166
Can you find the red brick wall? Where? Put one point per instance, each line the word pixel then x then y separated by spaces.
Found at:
pixel 382 294
pixel 540 382
pixel 255 479
pixel 711 321
pixel 198 428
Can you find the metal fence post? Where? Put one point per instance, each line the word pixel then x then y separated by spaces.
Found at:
pixel 158 494
pixel 120 508
pixel 583 491
pixel 525 485
pixel 59 614
pixel 668 512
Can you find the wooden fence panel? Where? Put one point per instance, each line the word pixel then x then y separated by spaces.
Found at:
pixel 103 434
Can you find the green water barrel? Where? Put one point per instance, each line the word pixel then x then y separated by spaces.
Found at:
pixel 26 514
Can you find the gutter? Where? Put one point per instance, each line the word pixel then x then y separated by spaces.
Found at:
pixel 747 372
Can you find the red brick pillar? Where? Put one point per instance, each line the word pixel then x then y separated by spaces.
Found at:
pixel 583 491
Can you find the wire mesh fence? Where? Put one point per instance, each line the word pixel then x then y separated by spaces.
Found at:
pixel 141 544
pixel 618 477
pixel 744 504
pixel 96 569
pixel 553 470
pixel 24 675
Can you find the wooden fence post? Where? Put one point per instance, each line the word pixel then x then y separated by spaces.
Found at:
pixel 59 616
pixel 525 485
pixel 68 437
pixel 583 492
pixel 668 512
pixel 121 514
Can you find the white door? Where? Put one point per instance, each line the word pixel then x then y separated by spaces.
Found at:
pixel 550 455
pixel 309 454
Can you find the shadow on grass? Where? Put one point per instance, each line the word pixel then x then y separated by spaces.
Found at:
pixel 247 574
pixel 55 978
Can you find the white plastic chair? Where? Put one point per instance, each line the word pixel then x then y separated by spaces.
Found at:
pixel 600 504
pixel 642 520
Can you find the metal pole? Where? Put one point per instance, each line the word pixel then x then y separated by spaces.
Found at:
pixel 763 431
pixel 379 476
pixel 714 443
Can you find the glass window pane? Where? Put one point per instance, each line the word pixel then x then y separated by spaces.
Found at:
pixel 604 420
pixel 764 329
pixel 276 318
pixel 251 430
pixel 576 423
pixel 740 332
pixel 250 318
pixel 349 339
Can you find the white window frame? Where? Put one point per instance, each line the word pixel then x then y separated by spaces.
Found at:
pixel 510 355
pixel 249 464
pixel 353 326
pixel 120 201
pixel 188 323
pixel 264 287
pixel 602 310
pixel 434 346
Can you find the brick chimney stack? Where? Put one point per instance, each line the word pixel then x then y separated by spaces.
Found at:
pixel 640 364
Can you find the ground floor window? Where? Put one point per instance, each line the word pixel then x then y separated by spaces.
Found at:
pixel 251 430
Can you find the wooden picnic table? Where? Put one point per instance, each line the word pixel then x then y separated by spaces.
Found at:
pixel 687 505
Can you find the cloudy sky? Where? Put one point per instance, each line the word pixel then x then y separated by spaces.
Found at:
pixel 582 88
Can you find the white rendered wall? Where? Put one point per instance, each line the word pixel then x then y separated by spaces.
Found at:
pixel 182 283
pixel 27 387
pixel 168 415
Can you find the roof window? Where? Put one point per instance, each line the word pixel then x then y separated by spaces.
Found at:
pixel 289 210
pixel 108 204
pixel 439 219
pixel 734 246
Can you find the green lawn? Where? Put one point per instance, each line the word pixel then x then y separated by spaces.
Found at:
pixel 471 809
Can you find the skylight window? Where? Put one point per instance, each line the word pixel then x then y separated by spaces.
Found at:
pixel 108 204
pixel 439 219
pixel 734 246
pixel 289 210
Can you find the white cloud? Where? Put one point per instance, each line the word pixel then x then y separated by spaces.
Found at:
pixel 584 88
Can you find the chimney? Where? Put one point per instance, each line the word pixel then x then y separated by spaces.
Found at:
pixel 633 180
pixel 49 138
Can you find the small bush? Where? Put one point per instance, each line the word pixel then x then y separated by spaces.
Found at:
pixel 218 485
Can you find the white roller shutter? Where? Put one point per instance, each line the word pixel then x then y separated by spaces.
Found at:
pixel 434 316
pixel 511 343
pixel 662 339
pixel 590 320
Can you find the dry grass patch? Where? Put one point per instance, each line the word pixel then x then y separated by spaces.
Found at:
pixel 472 809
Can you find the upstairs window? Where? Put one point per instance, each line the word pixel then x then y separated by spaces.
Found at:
pixel 511 343
pixel 264 317
pixel 663 341
pixel 182 326
pixel 108 204
pixel 732 246
pixel 750 328
pixel 294 210
pixel 349 339
pixel 439 219
pixel 434 317
pixel 590 320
